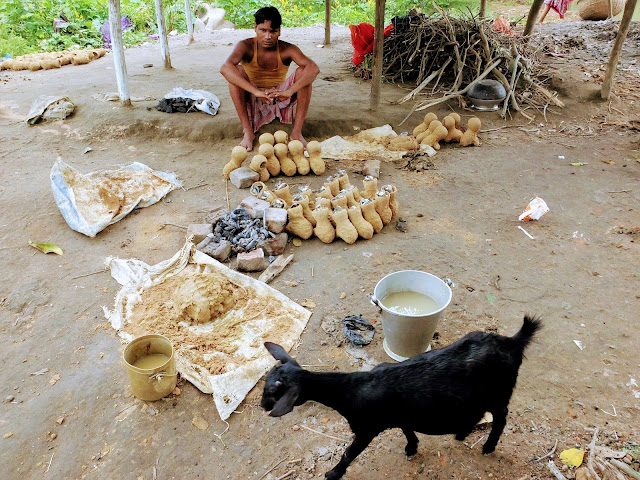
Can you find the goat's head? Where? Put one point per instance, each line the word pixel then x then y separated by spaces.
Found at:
pixel 282 388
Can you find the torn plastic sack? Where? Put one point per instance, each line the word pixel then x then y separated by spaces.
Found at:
pixel 202 100
pixel 91 202
pixel 47 108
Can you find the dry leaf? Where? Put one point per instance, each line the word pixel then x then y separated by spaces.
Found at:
pixel 608 162
pixel 40 372
pixel 572 457
pixel 578 164
pixel 54 379
pixel 8 435
pixel 46 247
pixel 176 391
pixel 343 295
pixel 200 423
pixel 296 242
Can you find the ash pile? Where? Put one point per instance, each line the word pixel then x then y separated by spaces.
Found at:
pixel 181 105
pixel 241 231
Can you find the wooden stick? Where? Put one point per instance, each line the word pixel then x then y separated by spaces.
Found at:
pixel 272 468
pixel 273 270
pixel 117 48
pixel 532 17
pixel 555 471
pixel 424 83
pixel 327 22
pixel 88 274
pixel 623 466
pixel 324 434
pixel 187 13
pixel 550 452
pixel 378 38
pixel 162 31
pixel 281 477
pixel 617 46
pixel 175 225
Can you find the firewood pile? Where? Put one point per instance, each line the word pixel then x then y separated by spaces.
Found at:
pixel 444 55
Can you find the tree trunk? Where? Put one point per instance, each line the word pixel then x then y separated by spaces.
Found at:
pixel 162 31
pixel 617 46
pixel 378 39
pixel 115 29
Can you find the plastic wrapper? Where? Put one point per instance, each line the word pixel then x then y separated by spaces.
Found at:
pixel 536 208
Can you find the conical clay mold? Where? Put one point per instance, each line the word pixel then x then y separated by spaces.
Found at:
pixel 340 200
pixel 259 164
pixel 343 179
pixel 333 185
pixel 315 157
pixel 344 228
pixel 393 200
pixel 273 165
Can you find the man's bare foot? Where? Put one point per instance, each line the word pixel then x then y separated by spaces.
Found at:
pixel 298 136
pixel 247 141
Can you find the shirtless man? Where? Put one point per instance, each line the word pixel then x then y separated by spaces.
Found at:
pixel 258 84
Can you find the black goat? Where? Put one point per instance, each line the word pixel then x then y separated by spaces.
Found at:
pixel 447 390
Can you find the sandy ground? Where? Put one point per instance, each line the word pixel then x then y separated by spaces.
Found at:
pixel 579 273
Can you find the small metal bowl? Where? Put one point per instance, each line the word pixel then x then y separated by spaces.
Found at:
pixel 486 95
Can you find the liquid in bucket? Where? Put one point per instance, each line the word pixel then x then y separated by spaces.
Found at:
pixel 153 360
pixel 410 303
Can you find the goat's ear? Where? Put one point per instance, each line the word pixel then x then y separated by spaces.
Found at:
pixel 279 353
pixel 286 402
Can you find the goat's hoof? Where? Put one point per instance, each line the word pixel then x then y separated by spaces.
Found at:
pixel 486 450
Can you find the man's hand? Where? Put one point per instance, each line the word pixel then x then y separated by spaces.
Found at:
pixel 263 95
pixel 279 96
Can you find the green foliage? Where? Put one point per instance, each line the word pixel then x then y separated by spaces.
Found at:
pixel 27 25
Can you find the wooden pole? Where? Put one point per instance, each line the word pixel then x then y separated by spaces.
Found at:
pixel 617 46
pixel 187 13
pixel 483 8
pixel 533 16
pixel 117 49
pixel 378 39
pixel 162 32
pixel 327 22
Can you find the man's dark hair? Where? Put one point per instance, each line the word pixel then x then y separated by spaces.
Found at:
pixel 268 13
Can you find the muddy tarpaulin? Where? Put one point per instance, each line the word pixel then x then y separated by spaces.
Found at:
pixel 91 202
pixel 216 318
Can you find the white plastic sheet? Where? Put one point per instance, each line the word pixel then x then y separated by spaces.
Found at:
pixel 91 202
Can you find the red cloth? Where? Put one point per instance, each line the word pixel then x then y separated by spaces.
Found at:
pixel 362 40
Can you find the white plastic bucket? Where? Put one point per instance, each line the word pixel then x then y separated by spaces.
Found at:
pixel 409 335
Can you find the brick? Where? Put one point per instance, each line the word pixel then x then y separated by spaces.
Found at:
pixel 220 251
pixel 275 219
pixel 199 231
pixel 274 246
pixel 253 261
pixel 254 206
pixel 371 167
pixel 243 177
pixel 215 214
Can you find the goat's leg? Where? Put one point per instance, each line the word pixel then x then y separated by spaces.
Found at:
pixel 412 442
pixel 499 421
pixel 461 435
pixel 359 444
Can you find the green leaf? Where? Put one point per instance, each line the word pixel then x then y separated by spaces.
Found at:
pixel 491 298
pixel 46 247
pixel 578 164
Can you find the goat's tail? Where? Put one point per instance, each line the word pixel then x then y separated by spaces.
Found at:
pixel 529 327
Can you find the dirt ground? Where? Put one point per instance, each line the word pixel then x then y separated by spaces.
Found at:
pixel 579 273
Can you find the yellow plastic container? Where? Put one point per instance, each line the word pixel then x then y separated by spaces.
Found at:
pixel 151 384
